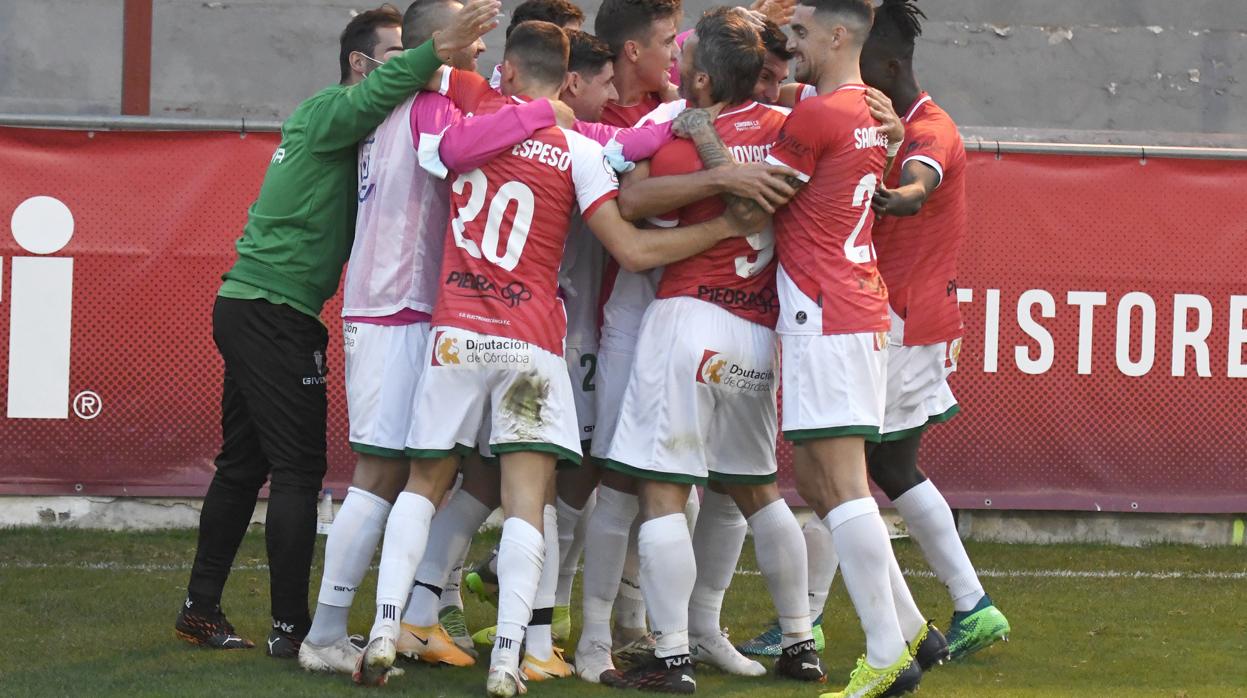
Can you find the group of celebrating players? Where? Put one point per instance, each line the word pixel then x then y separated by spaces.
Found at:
pixel 512 306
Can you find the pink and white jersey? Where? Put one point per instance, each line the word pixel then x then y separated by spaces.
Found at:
pixel 508 235
pixel 401 219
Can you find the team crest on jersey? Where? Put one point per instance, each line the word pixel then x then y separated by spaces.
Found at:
pixel 718 371
pixel 446 350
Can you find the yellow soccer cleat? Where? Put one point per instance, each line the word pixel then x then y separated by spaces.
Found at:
pixel 431 645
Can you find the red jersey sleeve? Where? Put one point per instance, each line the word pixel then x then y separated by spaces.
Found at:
pixel 801 140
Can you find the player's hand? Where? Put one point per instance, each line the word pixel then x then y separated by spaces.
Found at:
pixel 881 108
pixel 563 114
pixel 476 19
pixel 778 11
pixel 763 184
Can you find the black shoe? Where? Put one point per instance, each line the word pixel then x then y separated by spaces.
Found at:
pixel 660 675
pixel 283 645
pixel 932 649
pixel 801 662
pixel 209 629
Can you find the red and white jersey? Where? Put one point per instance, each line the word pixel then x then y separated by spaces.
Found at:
pixel 625 295
pixel 507 236
pixel 737 274
pixel 402 214
pixel 829 282
pixel 918 254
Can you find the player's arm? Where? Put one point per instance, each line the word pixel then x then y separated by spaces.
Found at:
pixel 637 250
pixel 343 121
pixel 918 180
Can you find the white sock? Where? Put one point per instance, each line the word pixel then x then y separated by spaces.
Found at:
pixel 717 541
pixel 572 524
pixel 692 509
pixel 348 550
pixel 630 603
pixel 537 640
pixel 930 522
pixel 407 532
pixel 606 544
pixel 450 535
pixel 780 548
pixel 667 573
pixel 823 562
pixel 520 555
pixel 861 540
pixel 907 613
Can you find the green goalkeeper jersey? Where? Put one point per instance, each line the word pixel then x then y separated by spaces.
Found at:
pixel 300 229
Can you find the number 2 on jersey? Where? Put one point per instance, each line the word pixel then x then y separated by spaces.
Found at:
pixel 860 254
pixel 520 224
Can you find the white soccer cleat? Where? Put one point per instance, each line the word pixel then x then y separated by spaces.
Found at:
pixel 337 658
pixel 717 651
pixel 376 662
pixel 504 682
pixel 593 659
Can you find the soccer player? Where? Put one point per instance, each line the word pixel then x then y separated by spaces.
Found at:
pixel 833 331
pixel 496 346
pixel 703 406
pixel 922 210
pixel 266 324
pixel 391 284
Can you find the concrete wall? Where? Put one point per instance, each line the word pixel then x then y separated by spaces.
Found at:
pixel 1114 65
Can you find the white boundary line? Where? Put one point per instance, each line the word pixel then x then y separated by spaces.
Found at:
pixel 990 573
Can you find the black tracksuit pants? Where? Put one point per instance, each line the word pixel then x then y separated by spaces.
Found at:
pixel 273 412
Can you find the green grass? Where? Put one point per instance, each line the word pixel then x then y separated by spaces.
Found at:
pixel 73 626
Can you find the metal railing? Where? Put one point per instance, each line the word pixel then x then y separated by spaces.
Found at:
pixel 244 125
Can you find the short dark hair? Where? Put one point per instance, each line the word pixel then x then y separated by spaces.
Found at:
pixel 417 25
pixel 540 49
pixel 361 34
pixel 558 12
pixel 588 54
pixel 897 25
pixel 730 51
pixel 775 40
pixel 619 21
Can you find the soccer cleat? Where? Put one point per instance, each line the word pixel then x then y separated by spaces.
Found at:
pixel 282 645
pixel 375 663
pixel 555 667
pixel 717 651
pixel 485 636
pixel 661 675
pixel 482 583
pixel 769 643
pixel 339 658
pixel 929 648
pixel 976 629
pixel 561 625
pixel 209 629
pixel 451 618
pixel 639 650
pixel 504 682
pixel 431 645
pixel 594 664
pixel 801 662
pixel 866 681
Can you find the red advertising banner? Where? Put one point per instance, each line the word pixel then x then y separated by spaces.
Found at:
pixel 1104 364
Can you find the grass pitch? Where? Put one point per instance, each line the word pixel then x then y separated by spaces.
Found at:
pixel 91 613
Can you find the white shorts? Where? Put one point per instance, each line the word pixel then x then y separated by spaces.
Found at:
pixel 582 368
pixel 918 392
pixel 701 400
pixel 517 390
pixel 614 367
pixel 833 385
pixel 383 366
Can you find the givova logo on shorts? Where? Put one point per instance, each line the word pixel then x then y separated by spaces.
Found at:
pixel 719 371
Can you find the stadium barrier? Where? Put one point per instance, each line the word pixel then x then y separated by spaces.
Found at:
pixel 1104 299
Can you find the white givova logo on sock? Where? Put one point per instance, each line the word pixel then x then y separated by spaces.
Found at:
pixel 40 300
